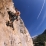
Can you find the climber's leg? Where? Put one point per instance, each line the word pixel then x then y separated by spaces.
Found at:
pixel 10 23
pixel 7 23
pixel 16 18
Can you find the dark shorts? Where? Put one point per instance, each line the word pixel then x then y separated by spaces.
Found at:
pixel 14 18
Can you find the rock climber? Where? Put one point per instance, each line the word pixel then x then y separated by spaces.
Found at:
pixel 12 17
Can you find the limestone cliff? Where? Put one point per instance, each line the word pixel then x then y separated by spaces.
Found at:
pixel 9 37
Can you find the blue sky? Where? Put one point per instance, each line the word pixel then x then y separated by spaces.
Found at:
pixel 33 13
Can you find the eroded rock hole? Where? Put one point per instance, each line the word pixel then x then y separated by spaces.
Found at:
pixel 5 44
pixel 10 23
pixel 22 31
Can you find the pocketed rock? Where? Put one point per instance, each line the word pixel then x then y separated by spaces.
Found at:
pixel 9 37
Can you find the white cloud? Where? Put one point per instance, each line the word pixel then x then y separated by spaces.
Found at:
pixel 41 9
pixel 44 17
pixel 34 36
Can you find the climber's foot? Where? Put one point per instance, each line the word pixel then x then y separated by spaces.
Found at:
pixel 16 19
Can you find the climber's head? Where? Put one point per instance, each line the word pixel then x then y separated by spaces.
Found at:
pixel 17 12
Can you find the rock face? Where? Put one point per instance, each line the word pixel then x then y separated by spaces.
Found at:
pixel 9 37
